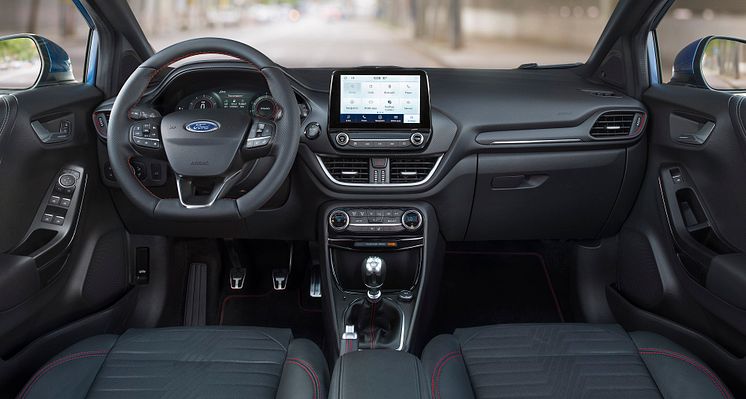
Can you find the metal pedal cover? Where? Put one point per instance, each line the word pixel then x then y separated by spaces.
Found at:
pixel 280 279
pixel 315 285
pixel 238 276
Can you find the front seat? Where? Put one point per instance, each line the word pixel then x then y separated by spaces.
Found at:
pixel 564 361
pixel 202 362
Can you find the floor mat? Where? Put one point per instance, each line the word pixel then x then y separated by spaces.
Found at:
pixel 482 288
pixel 282 309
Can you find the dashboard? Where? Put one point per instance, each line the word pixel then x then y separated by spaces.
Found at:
pixel 507 154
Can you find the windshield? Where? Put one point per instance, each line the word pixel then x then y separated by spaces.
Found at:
pixel 408 33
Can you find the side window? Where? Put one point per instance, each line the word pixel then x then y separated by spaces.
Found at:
pixel 57 20
pixel 689 20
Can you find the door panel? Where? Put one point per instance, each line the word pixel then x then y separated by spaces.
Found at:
pixel 57 219
pixel 690 213
pixel 684 264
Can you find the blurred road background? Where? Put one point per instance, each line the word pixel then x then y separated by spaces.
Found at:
pixel 418 33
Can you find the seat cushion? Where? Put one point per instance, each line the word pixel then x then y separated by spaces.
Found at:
pixel 206 362
pixel 564 361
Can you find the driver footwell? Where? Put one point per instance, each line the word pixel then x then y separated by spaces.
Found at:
pixel 258 303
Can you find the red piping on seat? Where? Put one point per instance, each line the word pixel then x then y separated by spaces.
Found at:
pixel 686 359
pixel 55 363
pixel 310 372
pixel 435 380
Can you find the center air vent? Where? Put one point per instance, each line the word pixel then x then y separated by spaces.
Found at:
pixel 616 124
pixel 379 171
pixel 410 170
pixel 348 170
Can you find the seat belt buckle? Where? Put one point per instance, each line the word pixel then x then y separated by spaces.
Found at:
pixel 349 342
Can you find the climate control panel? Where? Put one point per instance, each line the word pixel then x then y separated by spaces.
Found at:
pixel 375 220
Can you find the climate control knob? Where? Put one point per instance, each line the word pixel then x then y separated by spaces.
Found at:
pixel 339 220
pixel 411 220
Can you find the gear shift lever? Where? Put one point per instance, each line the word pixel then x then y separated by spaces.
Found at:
pixel 374 272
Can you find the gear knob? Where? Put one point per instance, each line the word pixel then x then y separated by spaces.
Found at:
pixel 374 272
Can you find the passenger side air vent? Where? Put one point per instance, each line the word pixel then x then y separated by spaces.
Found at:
pixel 616 124
pixel 348 170
pixel 601 93
pixel 410 170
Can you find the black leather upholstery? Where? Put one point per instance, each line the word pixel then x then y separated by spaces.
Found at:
pixel 378 374
pixel 207 362
pixel 564 361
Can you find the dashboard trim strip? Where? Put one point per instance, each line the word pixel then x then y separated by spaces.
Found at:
pixel 414 184
pixel 538 141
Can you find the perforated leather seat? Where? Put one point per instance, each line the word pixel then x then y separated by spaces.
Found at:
pixel 564 361
pixel 225 362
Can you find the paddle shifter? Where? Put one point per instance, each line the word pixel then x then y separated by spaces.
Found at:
pixel 374 272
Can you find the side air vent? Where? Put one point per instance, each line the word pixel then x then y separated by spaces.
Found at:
pixel 616 124
pixel 601 93
pixel 101 122
pixel 348 170
pixel 410 170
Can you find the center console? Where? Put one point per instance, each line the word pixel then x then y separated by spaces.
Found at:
pixel 378 259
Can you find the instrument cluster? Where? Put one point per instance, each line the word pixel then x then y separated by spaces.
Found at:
pixel 260 105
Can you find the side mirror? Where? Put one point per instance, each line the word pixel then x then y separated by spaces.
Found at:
pixel 714 62
pixel 28 60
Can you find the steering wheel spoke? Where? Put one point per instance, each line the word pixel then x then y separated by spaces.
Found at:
pixel 203 192
pixel 145 137
pixel 260 140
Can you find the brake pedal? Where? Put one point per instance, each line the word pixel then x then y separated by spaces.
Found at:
pixel 238 276
pixel 280 279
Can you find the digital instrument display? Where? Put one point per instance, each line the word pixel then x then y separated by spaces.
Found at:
pixel 380 99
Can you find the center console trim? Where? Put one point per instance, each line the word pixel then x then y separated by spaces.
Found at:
pixel 416 281
pixel 413 184
pixel 398 309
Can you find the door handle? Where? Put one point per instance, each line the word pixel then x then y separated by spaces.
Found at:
pixel 698 137
pixel 46 136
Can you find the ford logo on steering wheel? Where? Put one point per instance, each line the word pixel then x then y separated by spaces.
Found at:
pixel 202 126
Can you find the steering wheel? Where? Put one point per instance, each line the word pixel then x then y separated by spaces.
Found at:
pixel 209 151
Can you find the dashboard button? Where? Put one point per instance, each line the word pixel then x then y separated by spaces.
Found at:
pixel 58 220
pixel 54 200
pixel 342 139
pixel 417 139
pixel 47 218
pixel 313 130
pixel 65 202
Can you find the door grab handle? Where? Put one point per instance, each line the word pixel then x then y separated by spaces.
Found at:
pixel 699 137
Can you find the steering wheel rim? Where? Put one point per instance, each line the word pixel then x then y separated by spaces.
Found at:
pixel 283 150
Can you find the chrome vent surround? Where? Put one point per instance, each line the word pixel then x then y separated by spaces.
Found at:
pixel 617 124
pixel 398 172
pixel 348 170
pixel 410 170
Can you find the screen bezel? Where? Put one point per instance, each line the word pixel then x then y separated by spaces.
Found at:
pixel 334 98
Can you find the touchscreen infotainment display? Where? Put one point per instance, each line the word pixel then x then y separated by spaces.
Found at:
pixel 380 99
